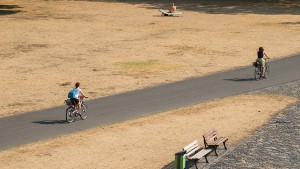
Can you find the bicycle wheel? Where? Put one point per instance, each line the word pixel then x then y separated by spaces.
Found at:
pixel 83 114
pixel 267 71
pixel 70 116
pixel 257 74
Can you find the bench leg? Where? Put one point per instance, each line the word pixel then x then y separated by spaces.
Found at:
pixel 196 164
pixel 215 148
pixel 206 158
pixel 225 145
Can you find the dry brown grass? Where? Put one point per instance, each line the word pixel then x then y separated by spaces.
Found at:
pixel 46 46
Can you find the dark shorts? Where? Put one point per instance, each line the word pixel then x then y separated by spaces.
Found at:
pixel 74 101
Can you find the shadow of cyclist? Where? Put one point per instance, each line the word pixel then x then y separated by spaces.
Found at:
pixel 47 122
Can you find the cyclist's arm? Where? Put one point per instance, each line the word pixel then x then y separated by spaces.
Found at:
pixel 82 94
pixel 266 55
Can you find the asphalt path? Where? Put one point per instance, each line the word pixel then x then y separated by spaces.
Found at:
pixel 49 123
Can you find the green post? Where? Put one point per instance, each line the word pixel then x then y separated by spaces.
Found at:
pixel 180 160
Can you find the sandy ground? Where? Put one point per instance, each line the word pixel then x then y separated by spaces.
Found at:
pixel 46 46
pixel 149 142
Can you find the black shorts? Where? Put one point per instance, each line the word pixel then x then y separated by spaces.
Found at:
pixel 73 100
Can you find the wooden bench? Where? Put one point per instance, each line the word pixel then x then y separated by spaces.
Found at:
pixel 193 152
pixel 212 140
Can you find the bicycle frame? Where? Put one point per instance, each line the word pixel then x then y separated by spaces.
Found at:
pixel 72 112
pixel 258 73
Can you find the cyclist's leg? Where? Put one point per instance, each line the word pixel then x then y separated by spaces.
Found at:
pixel 79 105
pixel 75 103
pixel 263 65
pixel 80 102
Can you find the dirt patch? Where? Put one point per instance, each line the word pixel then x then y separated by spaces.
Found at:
pixel 149 142
pixel 65 84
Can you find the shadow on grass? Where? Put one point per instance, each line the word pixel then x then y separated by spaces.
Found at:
pixel 268 7
pixel 9 9
pixel 291 23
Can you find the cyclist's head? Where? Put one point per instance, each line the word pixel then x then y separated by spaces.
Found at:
pixel 77 84
pixel 261 49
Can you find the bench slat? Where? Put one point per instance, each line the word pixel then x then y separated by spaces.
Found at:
pixel 192 148
pixel 190 145
pixel 212 131
pixel 193 151
pixel 210 139
pixel 218 141
pixel 212 134
pixel 201 153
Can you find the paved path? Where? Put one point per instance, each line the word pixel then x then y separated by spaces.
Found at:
pixel 276 144
pixel 34 126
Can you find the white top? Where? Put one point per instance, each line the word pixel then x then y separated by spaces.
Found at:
pixel 77 92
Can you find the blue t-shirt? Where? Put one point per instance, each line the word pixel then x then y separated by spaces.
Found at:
pixel 76 91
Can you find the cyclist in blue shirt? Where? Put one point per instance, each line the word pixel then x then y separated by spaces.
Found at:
pixel 74 95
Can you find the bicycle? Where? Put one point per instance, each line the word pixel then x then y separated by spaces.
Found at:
pixel 258 73
pixel 72 113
